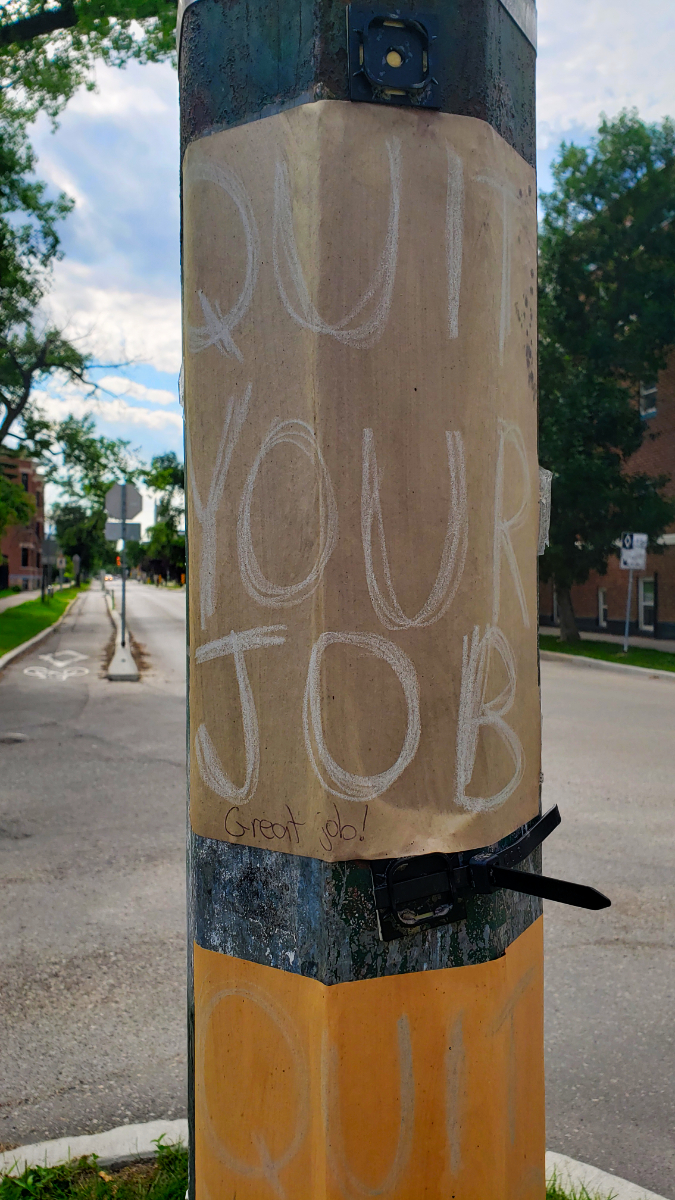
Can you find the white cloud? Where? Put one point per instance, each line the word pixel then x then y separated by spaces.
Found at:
pixel 117 325
pixel 73 401
pixel 116 152
pixel 138 391
pixel 603 55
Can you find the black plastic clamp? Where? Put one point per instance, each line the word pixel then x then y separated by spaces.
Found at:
pixel 432 889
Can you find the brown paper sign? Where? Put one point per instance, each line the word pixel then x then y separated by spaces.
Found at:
pixel 360 406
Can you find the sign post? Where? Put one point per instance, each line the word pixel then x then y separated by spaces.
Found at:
pixel 359 257
pixel 633 558
pixel 123 501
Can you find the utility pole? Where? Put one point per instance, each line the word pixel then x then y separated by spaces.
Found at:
pixel 359 268
pixel 124 563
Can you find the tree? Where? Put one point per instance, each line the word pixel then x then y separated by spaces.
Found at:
pixel 166 549
pixel 31 347
pixel 167 475
pixel 607 321
pixel 81 531
pixel 17 506
pixel 84 467
pixel 47 53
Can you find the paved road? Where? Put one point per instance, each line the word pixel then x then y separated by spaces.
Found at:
pixel 609 762
pixel 92 909
pixel 93 918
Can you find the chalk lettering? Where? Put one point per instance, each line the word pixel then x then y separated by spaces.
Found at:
pixel 217 329
pixel 208 763
pixel 476 712
pixel 346 785
pixel 350 1185
pixel 453 556
pixel 287 263
pixel 261 589
pixel 235 415
pixel 505 527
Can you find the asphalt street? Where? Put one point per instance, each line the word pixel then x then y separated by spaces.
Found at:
pixel 92 896
pixel 92 892
pixel 609 763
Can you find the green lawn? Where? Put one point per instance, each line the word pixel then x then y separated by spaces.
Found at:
pixel 659 660
pixel 166 1179
pixel 82 1179
pixel 8 592
pixel 22 622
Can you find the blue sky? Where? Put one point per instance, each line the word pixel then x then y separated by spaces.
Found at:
pixel 116 154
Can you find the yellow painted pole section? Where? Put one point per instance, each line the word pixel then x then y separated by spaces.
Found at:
pixel 426 1086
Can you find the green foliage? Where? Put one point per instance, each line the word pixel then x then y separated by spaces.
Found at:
pixel 84 465
pixel 607 249
pixel 17 507
pixel 31 347
pixel 79 531
pixel 637 656
pixel 46 54
pixel 17 625
pixel 556 1191
pixel 606 321
pixel 167 475
pixel 82 1179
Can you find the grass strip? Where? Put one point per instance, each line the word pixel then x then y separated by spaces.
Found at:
pixel 164 1179
pixel 82 1179
pixel 13 591
pixel 637 656
pixel 19 624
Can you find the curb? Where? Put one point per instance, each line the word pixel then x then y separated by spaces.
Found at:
pixel 581 660
pixel 121 1145
pixel 130 1142
pixel 573 1174
pixel 9 657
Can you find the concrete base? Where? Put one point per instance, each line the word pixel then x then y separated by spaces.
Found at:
pixel 123 667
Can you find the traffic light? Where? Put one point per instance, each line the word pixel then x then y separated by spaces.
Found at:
pixel 118 561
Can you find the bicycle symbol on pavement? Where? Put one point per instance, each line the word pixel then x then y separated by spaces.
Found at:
pixel 59 666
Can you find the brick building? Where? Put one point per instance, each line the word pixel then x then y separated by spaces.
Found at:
pixel 21 546
pixel 600 604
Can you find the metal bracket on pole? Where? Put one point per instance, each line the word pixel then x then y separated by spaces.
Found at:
pixel 432 889
pixel 392 57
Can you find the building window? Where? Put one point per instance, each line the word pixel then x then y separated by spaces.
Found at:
pixel 38 530
pixel 24 556
pixel 38 499
pixel 648 399
pixel 38 559
pixel 24 480
pixel 647 605
pixel 602 608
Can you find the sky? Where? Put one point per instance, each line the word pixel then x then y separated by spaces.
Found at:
pixel 116 153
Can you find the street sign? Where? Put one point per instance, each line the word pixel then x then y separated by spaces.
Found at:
pixel 49 551
pixel 113 501
pixel 634 551
pixel 113 531
pixel 61 563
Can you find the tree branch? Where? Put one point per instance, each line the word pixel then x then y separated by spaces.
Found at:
pixel 47 21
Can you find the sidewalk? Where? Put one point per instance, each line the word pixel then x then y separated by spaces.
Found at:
pixel 635 643
pixel 24 597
